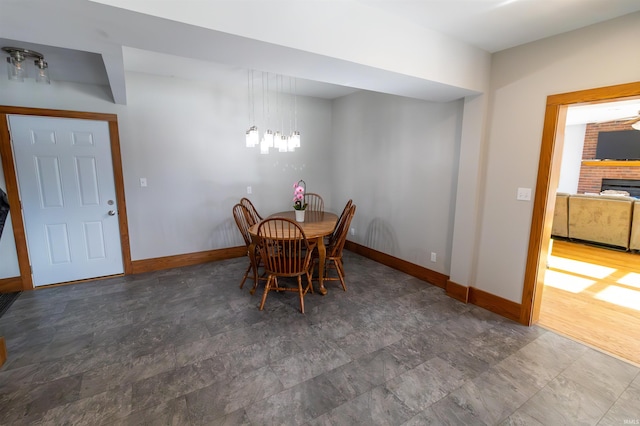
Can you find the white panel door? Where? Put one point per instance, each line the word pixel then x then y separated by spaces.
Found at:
pixel 65 178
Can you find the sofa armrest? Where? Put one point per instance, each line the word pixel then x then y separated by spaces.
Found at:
pixel 634 242
pixel 560 226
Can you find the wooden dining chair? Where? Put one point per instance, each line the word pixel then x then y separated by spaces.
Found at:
pixel 255 216
pixel 285 252
pixel 244 221
pixel 331 238
pixel 333 259
pixel 314 202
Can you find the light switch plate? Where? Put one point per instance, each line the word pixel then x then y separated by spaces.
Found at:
pixel 143 182
pixel 524 194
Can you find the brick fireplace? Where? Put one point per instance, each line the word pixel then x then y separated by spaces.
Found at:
pixel 591 174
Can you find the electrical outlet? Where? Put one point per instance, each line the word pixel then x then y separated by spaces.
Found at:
pixel 143 182
pixel 353 231
pixel 433 256
pixel 249 190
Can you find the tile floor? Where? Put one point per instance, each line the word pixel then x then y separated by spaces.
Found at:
pixel 187 347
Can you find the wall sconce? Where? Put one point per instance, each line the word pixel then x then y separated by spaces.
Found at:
pixel 16 67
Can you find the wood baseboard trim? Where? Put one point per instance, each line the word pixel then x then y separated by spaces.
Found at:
pixel 3 351
pixel 457 291
pixel 425 274
pixel 10 285
pixel 180 260
pixel 495 304
pixel 488 301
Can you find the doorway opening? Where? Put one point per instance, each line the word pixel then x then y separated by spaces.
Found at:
pixel 539 250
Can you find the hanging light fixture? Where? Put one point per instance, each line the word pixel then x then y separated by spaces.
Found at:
pixel 278 138
pixel 295 134
pixel 252 138
pixel 16 66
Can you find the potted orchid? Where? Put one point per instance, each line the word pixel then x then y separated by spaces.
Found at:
pixel 299 204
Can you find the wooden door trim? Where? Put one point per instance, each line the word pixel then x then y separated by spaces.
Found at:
pixel 548 164
pixel 11 180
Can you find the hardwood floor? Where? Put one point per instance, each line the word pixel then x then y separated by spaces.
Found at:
pixel 592 294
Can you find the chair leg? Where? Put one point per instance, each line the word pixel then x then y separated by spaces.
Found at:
pixel 255 283
pixel 266 290
pixel 257 277
pixel 246 275
pixel 310 282
pixel 340 273
pixel 276 286
pixel 301 294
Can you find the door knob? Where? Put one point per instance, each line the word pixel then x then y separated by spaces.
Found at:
pixel 112 212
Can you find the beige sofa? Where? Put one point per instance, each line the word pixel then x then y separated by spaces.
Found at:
pixel 600 219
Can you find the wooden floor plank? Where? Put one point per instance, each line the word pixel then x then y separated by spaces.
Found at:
pixel 592 294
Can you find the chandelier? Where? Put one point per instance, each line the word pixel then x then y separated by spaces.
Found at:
pixel 273 121
pixel 16 66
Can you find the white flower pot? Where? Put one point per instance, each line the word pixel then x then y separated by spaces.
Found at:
pixel 299 215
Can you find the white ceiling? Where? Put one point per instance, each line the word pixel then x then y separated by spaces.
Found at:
pixel 495 25
pixel 101 32
pixel 603 112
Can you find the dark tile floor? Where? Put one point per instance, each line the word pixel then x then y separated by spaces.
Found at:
pixel 186 346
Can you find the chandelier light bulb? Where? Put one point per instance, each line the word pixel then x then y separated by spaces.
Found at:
pixel 268 138
pixel 296 139
pixel 16 69
pixel 252 138
pixel 264 147
pixel 42 74
pixel 284 144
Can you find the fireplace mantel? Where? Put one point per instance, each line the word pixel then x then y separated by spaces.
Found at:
pixel 610 163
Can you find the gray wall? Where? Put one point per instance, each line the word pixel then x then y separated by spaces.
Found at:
pixel 522 78
pixel 397 159
pixel 187 140
pixel 571 158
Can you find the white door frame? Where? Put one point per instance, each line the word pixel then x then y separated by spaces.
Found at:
pixel 6 153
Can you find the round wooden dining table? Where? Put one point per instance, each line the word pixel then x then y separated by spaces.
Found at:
pixel 316 226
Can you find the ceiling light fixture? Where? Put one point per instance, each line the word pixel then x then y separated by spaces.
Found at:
pixel 283 141
pixel 634 122
pixel 16 66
